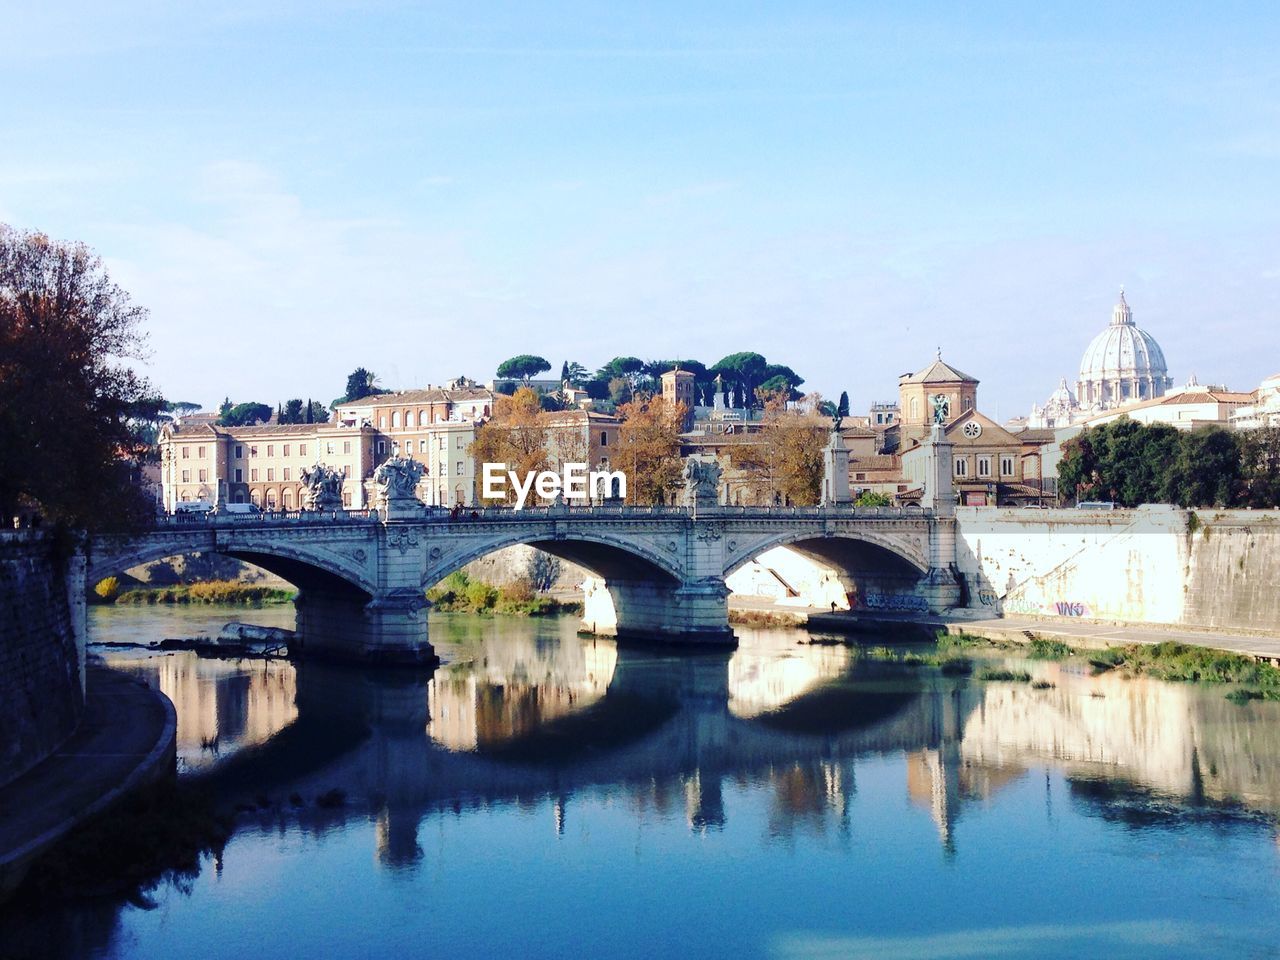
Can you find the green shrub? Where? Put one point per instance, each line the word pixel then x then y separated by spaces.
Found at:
pixel 999 673
pixel 1041 648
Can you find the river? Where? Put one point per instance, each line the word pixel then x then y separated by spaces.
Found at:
pixel 545 795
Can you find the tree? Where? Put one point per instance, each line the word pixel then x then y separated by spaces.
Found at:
pixel 649 441
pixel 245 415
pixel 744 371
pixel 524 368
pixel 317 412
pixel 1207 470
pixel 1260 467
pixel 362 383
pixel 786 458
pixel 868 498
pixel 514 436
pixel 575 374
pixel 293 411
pixel 843 408
pixel 69 404
pixel 620 390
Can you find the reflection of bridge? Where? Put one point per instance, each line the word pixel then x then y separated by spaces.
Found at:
pixel 522 715
pixel 661 570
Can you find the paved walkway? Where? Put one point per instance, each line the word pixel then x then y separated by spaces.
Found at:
pixel 126 739
pixel 1094 634
pixel 1084 633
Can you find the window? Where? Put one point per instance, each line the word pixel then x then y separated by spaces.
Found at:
pixel 984 466
pixel 271 473
pixel 239 479
pixel 408 419
pixel 346 470
pixel 1006 466
pixel 968 404
pixel 253 475
pixel 202 476
pixel 186 453
pixel 271 449
pixel 962 467
pixel 382 447
pixel 286 499
pixel 286 449
pixel 346 498
pixel 346 446
pixel 255 498
pixel 286 473
pixel 200 452
pixel 441 443
pixel 458 470
pixel 302 449
pixel 239 452
pixel 328 447
pixel 382 422
pixel 395 419
pixel 422 445
pixel 253 451
pixel 422 418
pixel 457 441
pixel 271 499
pixel 604 439
pixel 186 476
pixel 915 408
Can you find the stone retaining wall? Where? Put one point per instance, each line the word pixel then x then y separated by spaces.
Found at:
pixel 42 630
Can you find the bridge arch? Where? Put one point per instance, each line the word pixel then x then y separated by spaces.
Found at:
pixel 603 555
pixel 310 569
pixel 838 549
pixel 874 570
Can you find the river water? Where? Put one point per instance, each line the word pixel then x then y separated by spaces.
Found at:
pixel 544 795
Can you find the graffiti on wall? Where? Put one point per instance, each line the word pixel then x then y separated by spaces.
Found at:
pixel 895 601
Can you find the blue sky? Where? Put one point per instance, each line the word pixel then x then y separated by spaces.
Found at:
pixel 297 188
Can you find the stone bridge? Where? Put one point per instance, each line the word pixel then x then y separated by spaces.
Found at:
pixel 659 572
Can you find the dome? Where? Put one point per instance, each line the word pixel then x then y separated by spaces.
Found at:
pixel 1122 364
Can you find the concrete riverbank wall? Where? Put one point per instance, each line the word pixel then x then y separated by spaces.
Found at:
pixel 1211 569
pixel 42 636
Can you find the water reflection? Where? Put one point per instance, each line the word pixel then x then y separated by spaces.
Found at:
pixel 523 711
pixel 796 746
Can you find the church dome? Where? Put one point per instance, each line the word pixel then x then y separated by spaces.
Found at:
pixel 1122 364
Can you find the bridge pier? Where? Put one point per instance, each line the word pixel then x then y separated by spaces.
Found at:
pixel 387 629
pixel 694 612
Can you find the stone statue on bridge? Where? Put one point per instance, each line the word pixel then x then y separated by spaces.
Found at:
pixel 397 479
pixel 701 482
pixel 323 487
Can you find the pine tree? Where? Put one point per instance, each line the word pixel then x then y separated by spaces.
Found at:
pixel 310 419
pixel 843 408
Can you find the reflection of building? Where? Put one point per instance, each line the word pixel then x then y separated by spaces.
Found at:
pixel 221 704
pixel 519 688
pixel 760 681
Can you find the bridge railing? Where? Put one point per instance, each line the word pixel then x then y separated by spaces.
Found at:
pixel 611 512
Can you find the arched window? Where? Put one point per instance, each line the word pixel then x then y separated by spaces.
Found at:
pixel 422 418
pixel 255 498
pixel 408 418
pixel 271 499
pixel 395 419
pixel 286 499
pixel 915 408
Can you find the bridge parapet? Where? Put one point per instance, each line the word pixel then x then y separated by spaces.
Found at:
pixel 363 578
